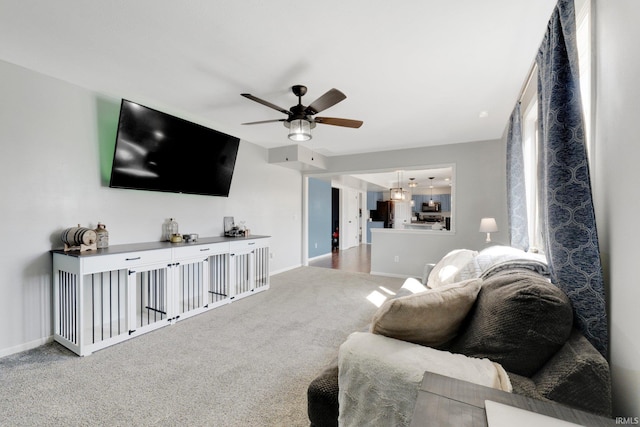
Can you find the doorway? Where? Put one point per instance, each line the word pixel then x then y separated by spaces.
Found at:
pixel 335 216
pixel 356 259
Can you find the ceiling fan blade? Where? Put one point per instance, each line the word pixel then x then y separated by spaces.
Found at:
pixel 329 99
pixel 348 123
pixel 266 103
pixel 264 121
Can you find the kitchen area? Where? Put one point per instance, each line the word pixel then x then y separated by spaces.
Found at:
pixel 402 215
pixel 420 206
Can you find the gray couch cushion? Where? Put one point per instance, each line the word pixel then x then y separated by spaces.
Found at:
pixel 524 386
pixel 578 376
pixel 519 320
pixel 322 398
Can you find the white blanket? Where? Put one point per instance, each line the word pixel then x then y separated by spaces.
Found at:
pixel 379 377
pixel 497 258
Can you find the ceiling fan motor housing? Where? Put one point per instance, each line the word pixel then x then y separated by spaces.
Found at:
pixel 299 90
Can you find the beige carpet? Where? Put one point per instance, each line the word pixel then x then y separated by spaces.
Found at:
pixel 244 364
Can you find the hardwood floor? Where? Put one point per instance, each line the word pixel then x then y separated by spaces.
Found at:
pixel 356 259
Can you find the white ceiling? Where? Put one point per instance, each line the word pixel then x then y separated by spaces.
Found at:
pixel 417 72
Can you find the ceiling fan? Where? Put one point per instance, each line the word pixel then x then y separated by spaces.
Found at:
pixel 300 118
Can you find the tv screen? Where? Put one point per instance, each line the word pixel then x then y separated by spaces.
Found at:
pixel 159 152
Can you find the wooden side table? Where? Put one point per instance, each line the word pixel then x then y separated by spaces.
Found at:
pixel 444 401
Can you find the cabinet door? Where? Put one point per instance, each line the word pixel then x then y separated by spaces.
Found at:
pixel 191 279
pixel 446 202
pixel 242 279
pixel 149 297
pixel 105 307
pixel 218 289
pixel 372 201
pixel 249 267
pixel 261 254
pixel 416 199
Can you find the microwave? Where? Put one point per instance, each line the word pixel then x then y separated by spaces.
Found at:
pixel 431 208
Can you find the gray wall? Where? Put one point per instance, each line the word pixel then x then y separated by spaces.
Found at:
pixel 617 201
pixel 53 142
pixel 480 191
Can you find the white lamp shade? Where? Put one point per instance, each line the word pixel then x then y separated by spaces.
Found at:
pixel 299 130
pixel 488 225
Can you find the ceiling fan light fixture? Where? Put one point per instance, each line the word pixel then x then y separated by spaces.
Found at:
pixel 299 130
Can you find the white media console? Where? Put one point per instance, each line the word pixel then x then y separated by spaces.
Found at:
pixel 107 296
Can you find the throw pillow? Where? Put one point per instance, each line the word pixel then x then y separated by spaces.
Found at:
pixel 431 318
pixel 445 270
pixel 519 320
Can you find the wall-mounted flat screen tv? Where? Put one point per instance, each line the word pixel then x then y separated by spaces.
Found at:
pixel 159 152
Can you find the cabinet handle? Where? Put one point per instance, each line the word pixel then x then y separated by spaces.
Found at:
pixel 205 249
pixel 132 259
pixel 252 243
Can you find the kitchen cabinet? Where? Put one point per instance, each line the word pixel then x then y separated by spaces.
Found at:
pixel 104 297
pixel 373 197
pixel 444 199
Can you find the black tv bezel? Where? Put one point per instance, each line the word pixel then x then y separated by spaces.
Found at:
pixel 228 139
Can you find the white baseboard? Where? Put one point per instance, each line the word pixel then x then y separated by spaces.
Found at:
pixel 25 346
pixel 282 270
pixel 399 276
pixel 320 256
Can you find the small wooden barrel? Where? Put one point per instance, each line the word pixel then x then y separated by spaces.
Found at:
pixel 77 236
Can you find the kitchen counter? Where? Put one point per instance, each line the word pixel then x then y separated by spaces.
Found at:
pixel 422 225
pixel 404 252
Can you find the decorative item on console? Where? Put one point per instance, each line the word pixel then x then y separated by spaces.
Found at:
pixel 233 230
pixel 79 238
pixel 102 236
pixel 191 237
pixel 170 228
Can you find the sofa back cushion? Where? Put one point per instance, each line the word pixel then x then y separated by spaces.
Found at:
pixel 519 320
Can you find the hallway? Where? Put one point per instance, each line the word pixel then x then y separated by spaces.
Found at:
pixel 356 259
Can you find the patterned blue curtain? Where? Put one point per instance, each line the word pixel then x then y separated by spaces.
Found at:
pixel 516 192
pixel 571 239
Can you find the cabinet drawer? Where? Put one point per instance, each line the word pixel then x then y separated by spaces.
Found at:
pixel 244 245
pixel 191 251
pixel 125 260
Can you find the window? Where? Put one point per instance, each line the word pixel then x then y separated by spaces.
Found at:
pixel 530 136
pixel 530 130
pixel 585 57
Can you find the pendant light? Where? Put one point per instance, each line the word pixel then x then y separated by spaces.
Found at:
pixel 431 203
pixel 397 193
